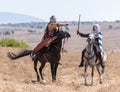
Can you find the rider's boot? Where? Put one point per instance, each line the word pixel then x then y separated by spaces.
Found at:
pixel 36 50
pixel 82 61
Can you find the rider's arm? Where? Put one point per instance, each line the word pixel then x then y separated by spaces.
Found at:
pixel 52 26
pixel 83 35
pixel 63 24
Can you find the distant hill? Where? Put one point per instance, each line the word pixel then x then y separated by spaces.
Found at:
pixel 7 17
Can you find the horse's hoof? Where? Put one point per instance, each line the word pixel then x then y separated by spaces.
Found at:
pixel 43 81
pixel 86 84
pixel 100 82
pixel 38 79
pixel 54 80
pixel 92 84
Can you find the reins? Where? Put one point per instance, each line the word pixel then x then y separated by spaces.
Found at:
pixel 63 45
pixel 88 58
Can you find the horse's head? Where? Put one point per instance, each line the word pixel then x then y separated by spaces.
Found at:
pixel 62 34
pixel 57 43
pixel 91 39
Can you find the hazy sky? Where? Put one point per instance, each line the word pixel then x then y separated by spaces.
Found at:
pixel 90 10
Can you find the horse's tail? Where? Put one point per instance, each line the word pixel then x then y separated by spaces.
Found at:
pixel 19 55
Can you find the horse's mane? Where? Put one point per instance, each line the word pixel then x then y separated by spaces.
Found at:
pixel 56 44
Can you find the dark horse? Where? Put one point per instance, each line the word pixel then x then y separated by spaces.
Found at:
pixel 49 54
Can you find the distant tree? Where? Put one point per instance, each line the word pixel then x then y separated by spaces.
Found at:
pixel 110 26
pixel 32 31
pixel 12 32
pixel 118 21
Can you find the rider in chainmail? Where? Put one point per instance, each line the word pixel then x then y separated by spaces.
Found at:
pixel 98 45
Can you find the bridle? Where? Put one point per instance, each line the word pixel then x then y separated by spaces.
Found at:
pixel 88 58
pixel 63 43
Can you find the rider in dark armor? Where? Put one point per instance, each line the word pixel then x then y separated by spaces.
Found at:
pixel 49 34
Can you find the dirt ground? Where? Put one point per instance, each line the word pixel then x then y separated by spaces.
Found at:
pixel 17 75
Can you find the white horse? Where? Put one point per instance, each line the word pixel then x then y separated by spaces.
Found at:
pixel 91 59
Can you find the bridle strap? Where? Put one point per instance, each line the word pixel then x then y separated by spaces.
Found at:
pixel 88 58
pixel 57 47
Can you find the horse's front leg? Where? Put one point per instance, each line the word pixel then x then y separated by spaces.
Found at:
pixel 53 72
pixel 35 68
pixel 102 71
pixel 85 73
pixel 41 68
pixel 98 69
pixel 92 75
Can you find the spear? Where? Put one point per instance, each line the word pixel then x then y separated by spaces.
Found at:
pixel 78 24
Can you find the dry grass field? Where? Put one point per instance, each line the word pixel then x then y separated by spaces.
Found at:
pixel 17 75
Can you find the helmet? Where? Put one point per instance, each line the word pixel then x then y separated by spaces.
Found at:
pixel 53 19
pixel 96 28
